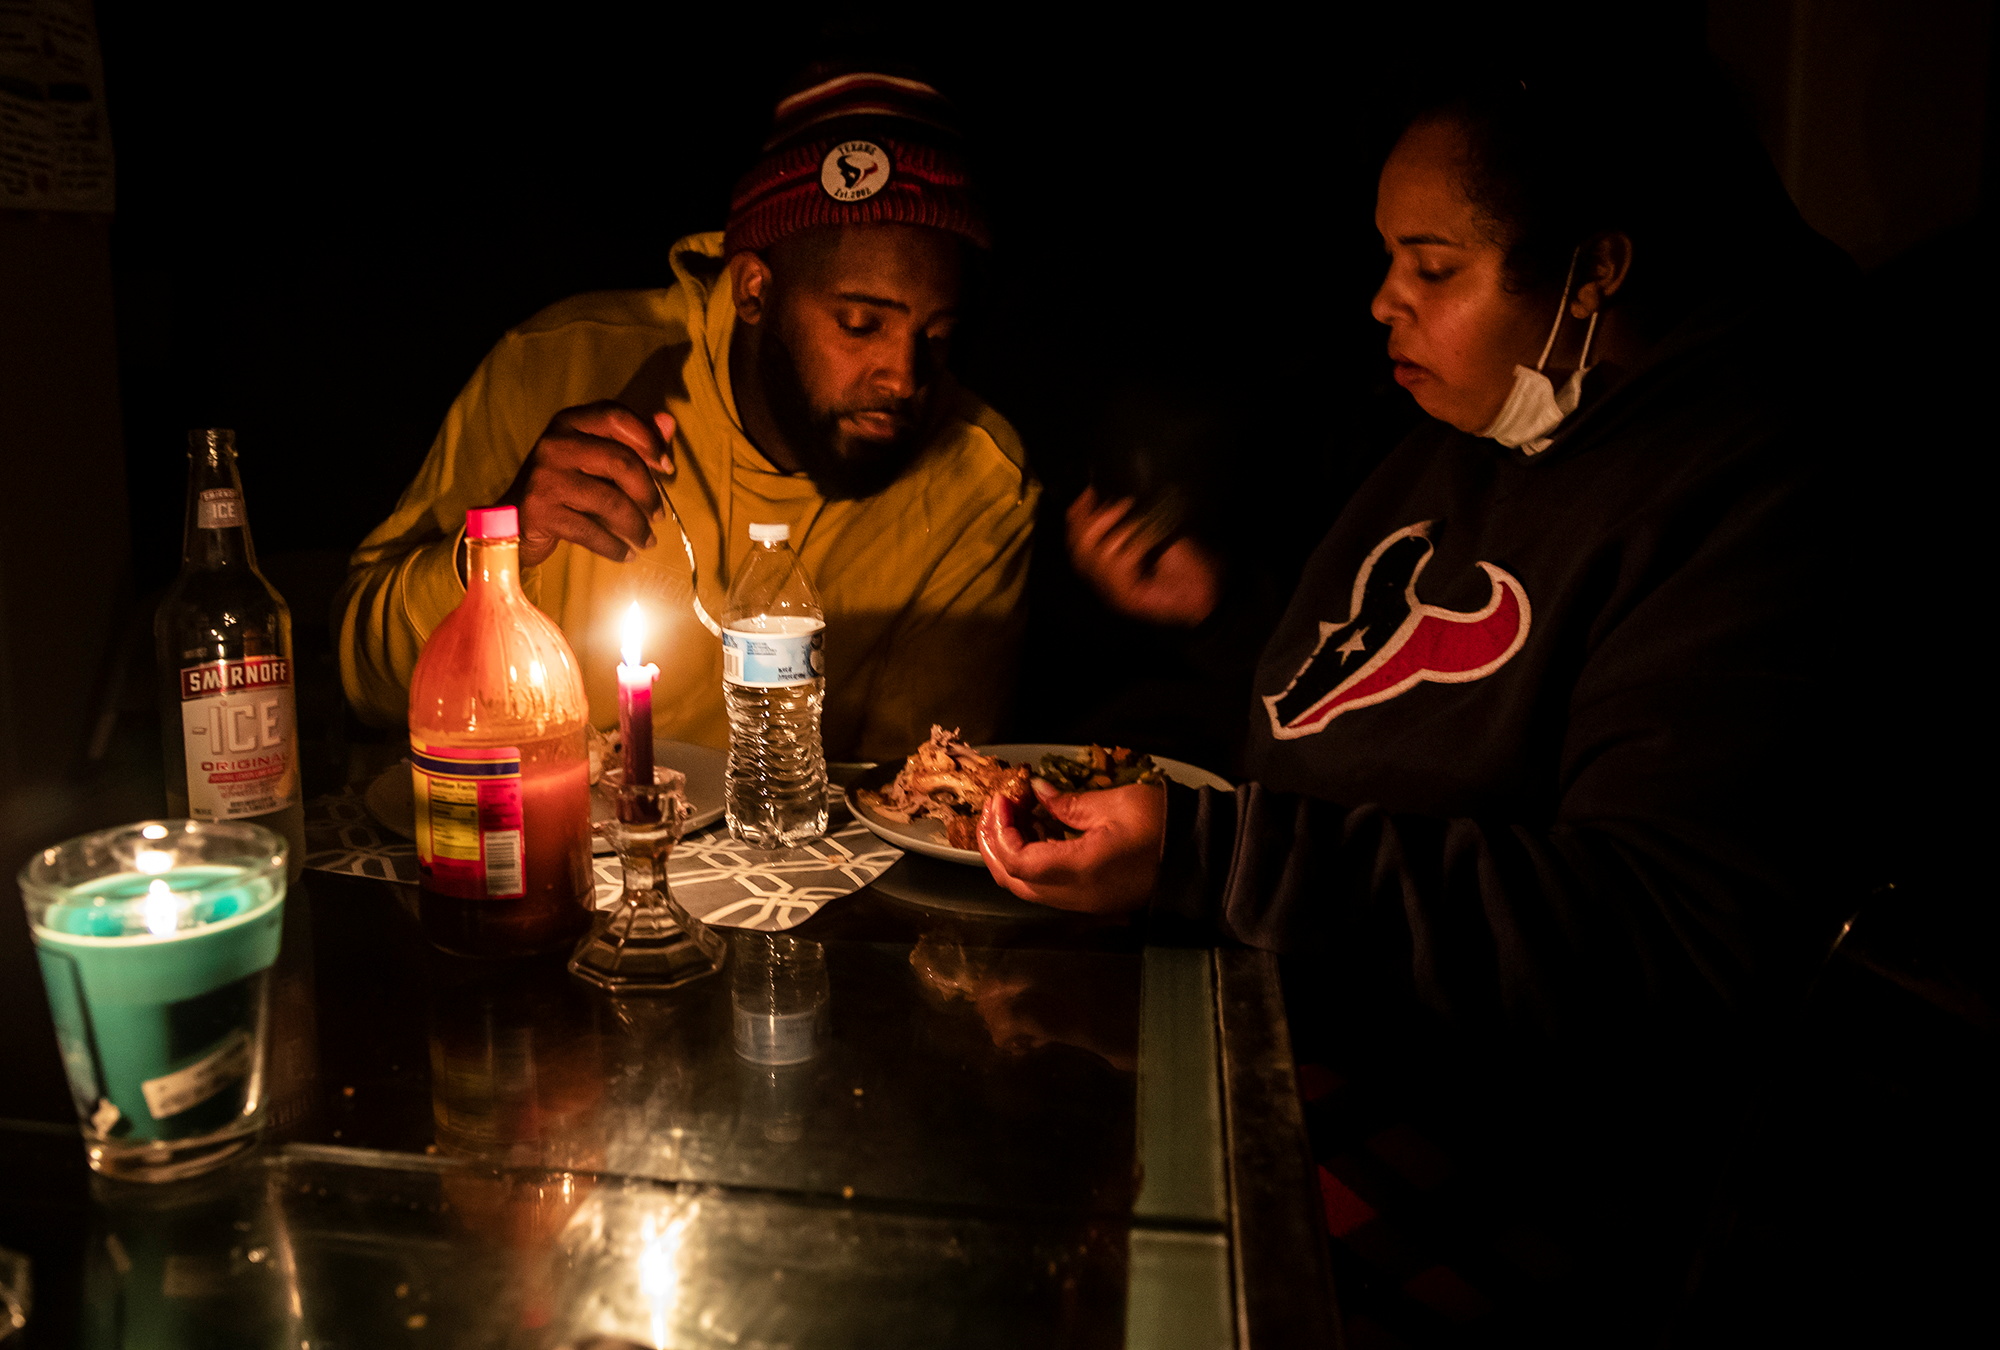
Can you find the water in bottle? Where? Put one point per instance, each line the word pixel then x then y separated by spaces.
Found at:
pixel 773 682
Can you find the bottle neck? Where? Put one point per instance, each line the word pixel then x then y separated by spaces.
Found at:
pixel 217 536
pixel 493 568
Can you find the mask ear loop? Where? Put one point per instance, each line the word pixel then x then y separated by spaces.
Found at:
pixel 1583 361
pixel 1562 305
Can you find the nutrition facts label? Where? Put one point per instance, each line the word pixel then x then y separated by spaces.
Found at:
pixel 468 820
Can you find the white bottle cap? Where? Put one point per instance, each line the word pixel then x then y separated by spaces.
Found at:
pixel 770 534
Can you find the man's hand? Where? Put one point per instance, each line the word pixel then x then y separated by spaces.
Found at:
pixel 1109 870
pixel 589 480
pixel 1109 547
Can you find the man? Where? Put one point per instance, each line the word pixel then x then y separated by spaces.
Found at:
pixel 793 372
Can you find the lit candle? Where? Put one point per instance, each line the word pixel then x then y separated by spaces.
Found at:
pixel 635 710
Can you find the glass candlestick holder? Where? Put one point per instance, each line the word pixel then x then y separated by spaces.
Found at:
pixel 646 942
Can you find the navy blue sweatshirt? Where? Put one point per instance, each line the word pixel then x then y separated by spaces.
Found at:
pixel 1546 741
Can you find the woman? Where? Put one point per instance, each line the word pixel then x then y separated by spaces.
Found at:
pixel 1536 756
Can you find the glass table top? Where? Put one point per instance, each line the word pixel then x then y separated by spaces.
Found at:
pixel 983 1133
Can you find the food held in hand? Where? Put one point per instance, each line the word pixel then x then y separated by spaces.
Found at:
pixel 948 781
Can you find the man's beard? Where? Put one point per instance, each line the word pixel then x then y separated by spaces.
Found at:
pixel 843 467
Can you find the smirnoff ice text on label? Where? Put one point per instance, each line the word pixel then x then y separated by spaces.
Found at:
pixel 223 639
pixel 238 720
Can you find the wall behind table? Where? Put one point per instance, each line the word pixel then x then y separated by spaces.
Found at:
pixel 325 225
pixel 326 219
pixel 63 548
pixel 63 540
pixel 1876 112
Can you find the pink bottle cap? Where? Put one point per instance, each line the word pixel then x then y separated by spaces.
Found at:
pixel 493 522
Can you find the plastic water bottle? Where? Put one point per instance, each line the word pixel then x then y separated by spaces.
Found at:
pixel 773 681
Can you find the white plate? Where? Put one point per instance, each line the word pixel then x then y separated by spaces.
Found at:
pixel 927 836
pixel 389 801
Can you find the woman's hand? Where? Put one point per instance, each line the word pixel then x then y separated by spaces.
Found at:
pixel 1109 547
pixel 1109 870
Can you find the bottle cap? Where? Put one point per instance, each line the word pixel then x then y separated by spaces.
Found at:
pixel 492 522
pixel 770 534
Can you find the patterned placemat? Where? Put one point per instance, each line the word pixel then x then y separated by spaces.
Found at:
pixel 721 880
pixel 724 881
pixel 342 837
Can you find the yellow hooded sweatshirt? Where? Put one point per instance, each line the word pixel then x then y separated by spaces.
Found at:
pixel 921 582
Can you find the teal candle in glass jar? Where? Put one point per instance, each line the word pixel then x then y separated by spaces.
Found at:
pixel 155 951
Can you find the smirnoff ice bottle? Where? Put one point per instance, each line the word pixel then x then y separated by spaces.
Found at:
pixel 498 764
pixel 224 640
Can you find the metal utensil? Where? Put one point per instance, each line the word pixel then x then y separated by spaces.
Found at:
pixel 694 572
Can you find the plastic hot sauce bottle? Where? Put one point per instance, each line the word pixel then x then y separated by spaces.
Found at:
pixel 498 765
pixel 224 640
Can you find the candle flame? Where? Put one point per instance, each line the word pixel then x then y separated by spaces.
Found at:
pixel 630 630
pixel 162 913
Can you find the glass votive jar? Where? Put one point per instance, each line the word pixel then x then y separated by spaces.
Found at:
pixel 155 942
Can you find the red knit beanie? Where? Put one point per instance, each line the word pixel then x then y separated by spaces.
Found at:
pixel 855 148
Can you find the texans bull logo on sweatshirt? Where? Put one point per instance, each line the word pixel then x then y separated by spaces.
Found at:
pixel 1391 641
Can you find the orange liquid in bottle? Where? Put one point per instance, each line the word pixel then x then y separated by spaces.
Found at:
pixel 554 907
pixel 500 771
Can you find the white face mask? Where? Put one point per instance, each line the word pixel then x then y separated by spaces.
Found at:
pixel 1533 410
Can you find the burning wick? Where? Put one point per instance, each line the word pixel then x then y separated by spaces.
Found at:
pixel 162 913
pixel 635 714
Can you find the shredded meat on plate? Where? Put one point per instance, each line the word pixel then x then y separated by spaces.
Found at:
pixel 948 781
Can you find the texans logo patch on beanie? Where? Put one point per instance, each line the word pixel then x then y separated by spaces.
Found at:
pixel 856 148
pixel 854 171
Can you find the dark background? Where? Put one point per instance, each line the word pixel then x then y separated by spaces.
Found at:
pixel 323 228
pixel 327 214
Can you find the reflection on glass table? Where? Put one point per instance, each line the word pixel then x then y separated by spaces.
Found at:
pixel 881 1128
